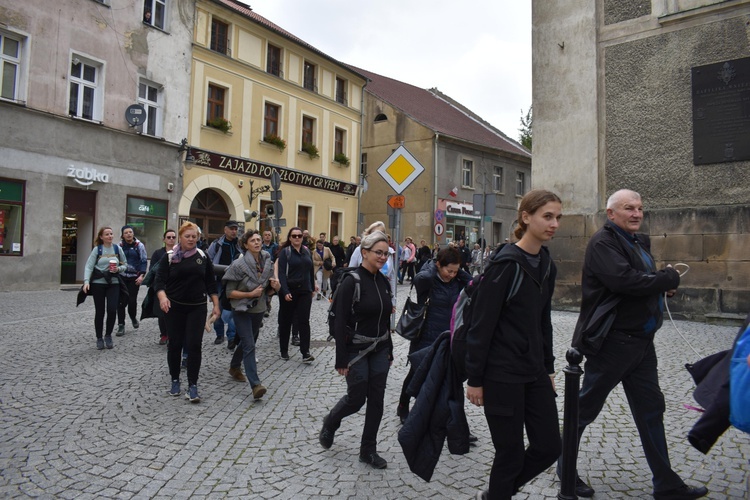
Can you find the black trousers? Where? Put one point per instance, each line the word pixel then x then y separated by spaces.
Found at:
pixel 132 301
pixel 106 298
pixel 365 383
pixel 185 328
pixel 296 311
pixel 509 408
pixel 632 361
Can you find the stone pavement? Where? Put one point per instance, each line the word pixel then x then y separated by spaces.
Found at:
pixel 80 423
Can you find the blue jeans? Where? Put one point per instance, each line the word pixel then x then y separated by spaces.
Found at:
pixel 225 318
pixel 248 327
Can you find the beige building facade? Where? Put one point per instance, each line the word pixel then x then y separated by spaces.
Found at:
pixel 263 100
pixel 648 95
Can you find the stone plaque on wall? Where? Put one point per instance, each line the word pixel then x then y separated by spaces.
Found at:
pixel 721 112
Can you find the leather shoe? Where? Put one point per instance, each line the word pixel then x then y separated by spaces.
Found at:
pixel 375 460
pixel 682 493
pixel 583 489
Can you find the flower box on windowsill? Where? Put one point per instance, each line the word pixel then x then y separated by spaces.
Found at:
pixel 310 150
pixel 275 140
pixel 341 159
pixel 220 124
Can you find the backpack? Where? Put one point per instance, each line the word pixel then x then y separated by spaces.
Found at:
pixel 341 274
pixel 99 249
pixel 463 310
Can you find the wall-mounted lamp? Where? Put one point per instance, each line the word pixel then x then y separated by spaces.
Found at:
pixel 240 183
pixel 189 158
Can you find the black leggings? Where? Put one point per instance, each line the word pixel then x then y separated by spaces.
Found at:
pixel 132 301
pixel 105 299
pixel 185 328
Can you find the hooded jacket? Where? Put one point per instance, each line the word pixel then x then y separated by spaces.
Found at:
pixel 512 342
pixel 438 411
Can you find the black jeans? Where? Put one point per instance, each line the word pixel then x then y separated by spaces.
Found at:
pixel 365 383
pixel 509 408
pixel 185 328
pixel 106 298
pixel 296 311
pixel 132 301
pixel 632 361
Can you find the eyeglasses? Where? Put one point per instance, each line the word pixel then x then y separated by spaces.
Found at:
pixel 170 237
pixel 295 236
pixel 379 253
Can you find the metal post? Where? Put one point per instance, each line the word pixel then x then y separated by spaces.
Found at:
pixel 569 455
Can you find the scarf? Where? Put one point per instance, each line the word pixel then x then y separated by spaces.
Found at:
pixel 246 271
pixel 178 254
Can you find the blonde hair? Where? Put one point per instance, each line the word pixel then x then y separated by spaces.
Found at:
pixel 188 225
pixel 375 226
pixel 371 239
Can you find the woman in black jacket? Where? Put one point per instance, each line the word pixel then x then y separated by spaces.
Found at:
pixel 441 282
pixel 364 350
pixel 509 359
pixel 297 280
pixel 184 281
pixel 170 240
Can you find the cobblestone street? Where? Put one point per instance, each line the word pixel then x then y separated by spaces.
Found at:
pixel 80 423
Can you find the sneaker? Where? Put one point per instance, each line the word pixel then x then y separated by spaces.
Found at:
pixel 295 340
pixel 236 374
pixel 326 436
pixel 307 358
pixel 583 489
pixel 258 391
pixel 232 343
pixel 175 390
pixel 108 342
pixel 135 323
pixel 192 394
pixel 100 344
pixel 284 356
pixel 219 340
pixel 163 340
pixel 373 459
pixel 120 329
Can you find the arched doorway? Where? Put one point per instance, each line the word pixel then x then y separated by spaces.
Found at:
pixel 210 212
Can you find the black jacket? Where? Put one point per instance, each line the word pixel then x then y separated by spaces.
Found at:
pixel 618 263
pixel 438 411
pixel 369 317
pixel 512 342
pixel 442 297
pixel 296 273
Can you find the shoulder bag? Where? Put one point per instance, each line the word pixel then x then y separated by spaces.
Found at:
pixel 412 319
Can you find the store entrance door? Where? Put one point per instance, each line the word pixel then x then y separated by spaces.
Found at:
pixel 210 212
pixel 79 211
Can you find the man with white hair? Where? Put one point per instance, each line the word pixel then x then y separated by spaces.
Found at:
pixel 622 303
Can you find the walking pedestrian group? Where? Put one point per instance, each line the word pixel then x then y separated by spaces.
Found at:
pixel 505 296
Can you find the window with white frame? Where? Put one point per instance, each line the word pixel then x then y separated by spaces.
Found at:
pixel 150 97
pixel 10 65
pixel 154 12
pixel 85 89
pixel 497 180
pixel 520 183
pixel 467 174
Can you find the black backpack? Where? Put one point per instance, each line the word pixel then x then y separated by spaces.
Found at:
pixel 340 274
pixel 463 310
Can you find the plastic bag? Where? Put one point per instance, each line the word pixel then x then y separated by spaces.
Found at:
pixel 739 384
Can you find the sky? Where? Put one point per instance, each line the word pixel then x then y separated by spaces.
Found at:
pixel 477 52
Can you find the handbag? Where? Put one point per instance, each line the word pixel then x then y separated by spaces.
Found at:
pixel 412 318
pixel 328 264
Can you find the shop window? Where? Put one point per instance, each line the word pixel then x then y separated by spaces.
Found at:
pixel 467 174
pixel 273 60
pixel 85 89
pixel 150 97
pixel 341 91
pixel 149 220
pixel 309 77
pixel 11 51
pixel 12 204
pixel 497 180
pixel 154 12
pixel 219 36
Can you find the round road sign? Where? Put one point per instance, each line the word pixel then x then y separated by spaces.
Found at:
pixel 439 229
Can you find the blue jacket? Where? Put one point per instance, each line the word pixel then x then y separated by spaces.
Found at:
pixel 135 254
pixel 438 411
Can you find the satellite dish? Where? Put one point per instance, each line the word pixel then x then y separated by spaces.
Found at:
pixel 135 115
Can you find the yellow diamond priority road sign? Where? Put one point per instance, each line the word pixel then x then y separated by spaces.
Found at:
pixel 400 169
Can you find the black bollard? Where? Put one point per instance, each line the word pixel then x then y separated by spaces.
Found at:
pixel 569 455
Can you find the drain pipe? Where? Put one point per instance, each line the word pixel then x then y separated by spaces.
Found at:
pixel 435 188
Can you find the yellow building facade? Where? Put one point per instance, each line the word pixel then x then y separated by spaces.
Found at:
pixel 264 101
